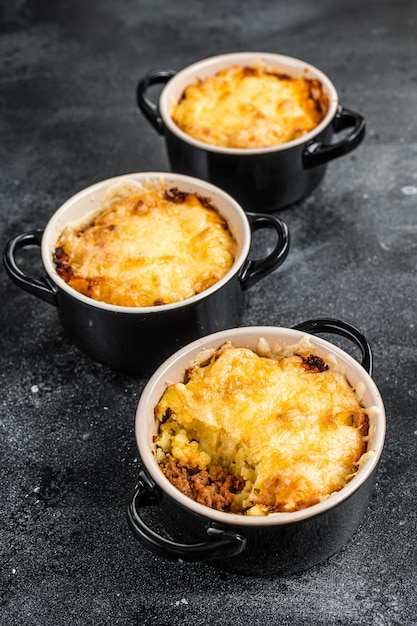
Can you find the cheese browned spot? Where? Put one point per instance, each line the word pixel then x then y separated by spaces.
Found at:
pixel 250 107
pixel 147 246
pixel 287 431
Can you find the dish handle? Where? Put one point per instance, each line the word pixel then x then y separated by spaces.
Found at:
pixel 39 287
pixel 337 327
pixel 145 104
pixel 317 153
pixel 254 269
pixel 218 542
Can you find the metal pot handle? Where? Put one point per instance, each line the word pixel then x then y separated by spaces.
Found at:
pixel 254 269
pixel 146 105
pixel 39 287
pixel 317 153
pixel 218 543
pixel 337 327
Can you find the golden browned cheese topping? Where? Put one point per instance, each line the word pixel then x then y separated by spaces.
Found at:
pixel 147 246
pixel 254 434
pixel 250 107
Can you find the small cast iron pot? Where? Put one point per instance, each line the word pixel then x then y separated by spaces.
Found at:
pixel 279 543
pixel 137 339
pixel 261 179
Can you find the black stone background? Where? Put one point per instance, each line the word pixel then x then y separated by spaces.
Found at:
pixel 68 72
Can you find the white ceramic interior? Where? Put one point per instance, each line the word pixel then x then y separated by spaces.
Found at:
pixel 88 201
pixel 174 89
pixel 172 370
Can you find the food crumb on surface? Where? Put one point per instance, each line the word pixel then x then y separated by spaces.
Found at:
pixel 409 190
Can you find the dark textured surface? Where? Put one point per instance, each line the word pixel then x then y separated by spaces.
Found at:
pixel 68 72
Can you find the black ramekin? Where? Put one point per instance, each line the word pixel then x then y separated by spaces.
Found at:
pixel 261 179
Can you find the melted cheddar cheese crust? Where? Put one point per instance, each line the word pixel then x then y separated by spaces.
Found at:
pixel 250 107
pixel 254 434
pixel 147 246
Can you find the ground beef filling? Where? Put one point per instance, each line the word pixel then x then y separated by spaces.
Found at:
pixel 215 488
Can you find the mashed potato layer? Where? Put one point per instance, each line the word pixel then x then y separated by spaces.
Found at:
pixel 147 246
pixel 250 107
pixel 261 432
